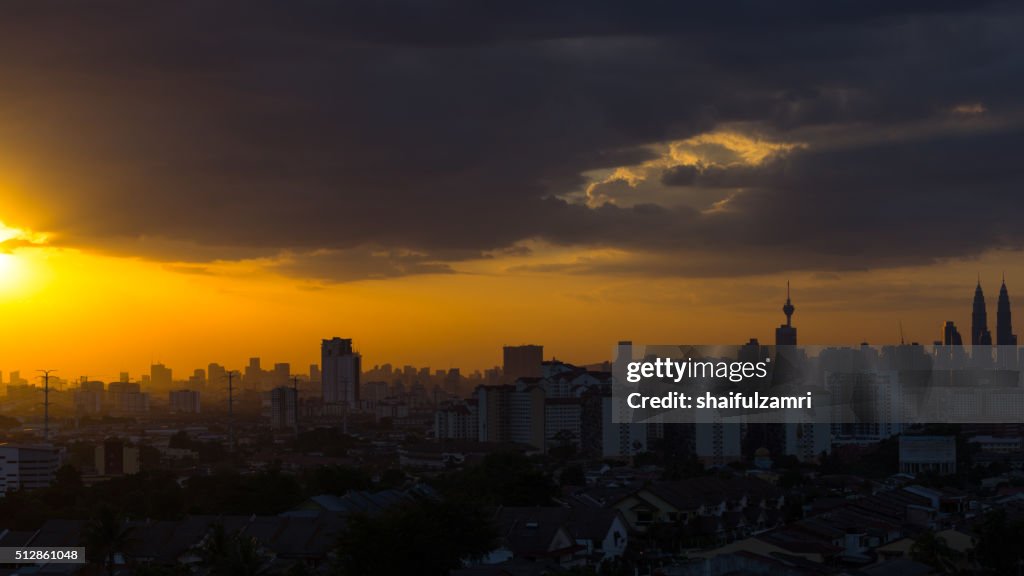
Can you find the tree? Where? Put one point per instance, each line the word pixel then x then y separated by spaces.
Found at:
pixel 232 554
pixel 502 479
pixel 106 535
pixel 335 480
pixel 998 548
pixel 933 550
pixel 422 537
pixel 565 445
pixel 573 475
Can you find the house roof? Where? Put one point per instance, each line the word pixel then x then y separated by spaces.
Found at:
pixel 528 530
pixel 692 493
pixel 898 567
pixel 57 533
pixel 359 502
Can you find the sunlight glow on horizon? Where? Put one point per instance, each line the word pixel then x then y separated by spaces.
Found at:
pixel 114 314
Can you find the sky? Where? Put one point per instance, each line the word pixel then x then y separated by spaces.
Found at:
pixel 187 182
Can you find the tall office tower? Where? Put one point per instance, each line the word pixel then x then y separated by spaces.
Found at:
pixel 114 458
pixel 314 373
pixel 184 401
pixel 1004 326
pixel 197 381
pixel 281 374
pixel 950 335
pixel 523 362
pixel 339 370
pixel 160 376
pixel 980 335
pixel 785 335
pixel 253 374
pixel 283 407
pixel 217 376
pixel 90 397
pixel 127 398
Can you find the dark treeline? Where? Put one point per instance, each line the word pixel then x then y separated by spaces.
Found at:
pixel 436 533
pixel 500 479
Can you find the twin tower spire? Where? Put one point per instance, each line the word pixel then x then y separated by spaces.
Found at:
pixel 980 334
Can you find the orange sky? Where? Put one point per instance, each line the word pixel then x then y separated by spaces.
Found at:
pixel 85 313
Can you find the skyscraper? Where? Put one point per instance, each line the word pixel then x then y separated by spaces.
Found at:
pixel 980 335
pixel 184 401
pixel 785 335
pixel 339 370
pixel 525 361
pixel 1004 325
pixel 283 407
pixel 160 376
pixel 950 335
pixel 217 376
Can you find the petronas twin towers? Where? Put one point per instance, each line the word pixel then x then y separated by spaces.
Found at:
pixel 980 334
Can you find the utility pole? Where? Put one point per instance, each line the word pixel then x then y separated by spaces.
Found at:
pixel 231 408
pixel 295 388
pixel 46 402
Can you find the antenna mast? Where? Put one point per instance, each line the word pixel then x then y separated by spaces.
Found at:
pixel 46 402
pixel 295 388
pixel 231 408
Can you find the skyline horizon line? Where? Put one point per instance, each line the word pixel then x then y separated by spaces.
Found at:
pixel 477 367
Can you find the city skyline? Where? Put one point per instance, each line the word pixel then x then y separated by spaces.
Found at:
pixel 943 334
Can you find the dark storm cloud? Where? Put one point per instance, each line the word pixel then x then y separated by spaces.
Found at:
pixel 679 176
pixel 392 138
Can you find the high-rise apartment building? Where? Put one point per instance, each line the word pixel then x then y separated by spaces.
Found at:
pixel 340 368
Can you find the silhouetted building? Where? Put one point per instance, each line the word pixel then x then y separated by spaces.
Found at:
pixel 523 362
pixel 254 375
pixel 950 335
pixel 127 398
pixel 90 397
pixel 27 467
pixel 935 454
pixel 340 368
pixel 113 458
pixel 457 421
pixel 197 381
pixel 283 407
pixel 980 335
pixel 160 376
pixel 184 401
pixel 281 374
pixel 217 376
pixel 785 335
pixel 1004 325
pixel 616 440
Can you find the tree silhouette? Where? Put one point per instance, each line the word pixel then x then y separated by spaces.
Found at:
pixel 933 550
pixel 423 537
pixel 233 554
pixel 106 536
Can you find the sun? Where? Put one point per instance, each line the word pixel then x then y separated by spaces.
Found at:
pixel 14 264
pixel 10 272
